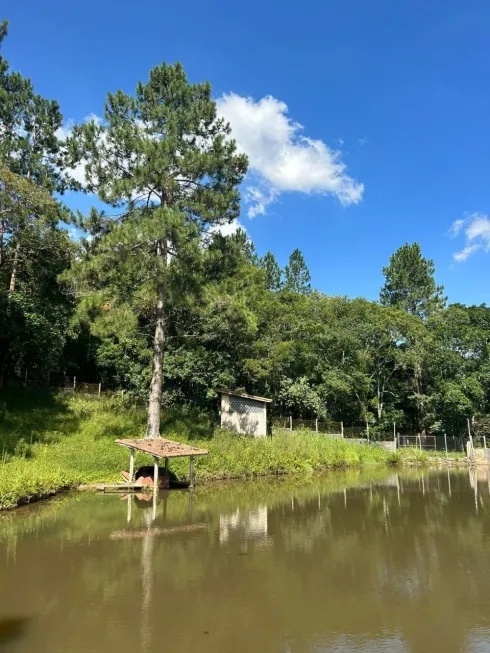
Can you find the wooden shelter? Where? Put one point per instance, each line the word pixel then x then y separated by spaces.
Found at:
pixel 160 448
pixel 244 413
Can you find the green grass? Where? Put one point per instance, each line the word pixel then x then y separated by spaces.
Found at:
pixel 51 442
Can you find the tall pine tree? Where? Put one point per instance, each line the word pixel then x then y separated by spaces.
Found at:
pixel 165 160
pixel 29 148
pixel 297 275
pixel 409 283
pixel 272 271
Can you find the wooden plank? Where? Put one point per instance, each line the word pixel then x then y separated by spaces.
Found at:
pixel 121 487
pixel 133 535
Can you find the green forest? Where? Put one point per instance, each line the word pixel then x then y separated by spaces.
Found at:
pixel 151 298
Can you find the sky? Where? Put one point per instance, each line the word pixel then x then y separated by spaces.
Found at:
pixel 367 125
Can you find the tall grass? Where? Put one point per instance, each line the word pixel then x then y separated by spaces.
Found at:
pixel 52 442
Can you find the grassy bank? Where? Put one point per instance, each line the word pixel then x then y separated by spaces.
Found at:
pixel 51 442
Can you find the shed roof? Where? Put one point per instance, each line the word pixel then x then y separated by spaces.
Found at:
pixel 227 391
pixel 162 448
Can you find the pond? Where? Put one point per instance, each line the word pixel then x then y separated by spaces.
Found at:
pixel 373 561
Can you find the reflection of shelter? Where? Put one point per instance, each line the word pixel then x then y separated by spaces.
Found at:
pixel 161 448
pixel 244 413
pixel 252 523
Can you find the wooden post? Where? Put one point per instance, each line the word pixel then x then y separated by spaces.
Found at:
pixel 154 503
pixel 290 422
pixel 445 442
pixel 420 441
pixel 155 475
pixel 100 388
pixel 342 429
pixel 191 471
pixel 394 433
pixel 316 425
pixel 485 442
pixel 367 430
pixel 131 465
pixel 74 383
pixel 472 444
pixel 130 505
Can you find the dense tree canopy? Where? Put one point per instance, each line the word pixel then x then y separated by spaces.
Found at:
pixel 158 302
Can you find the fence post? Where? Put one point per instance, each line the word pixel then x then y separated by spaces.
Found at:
pixel 290 422
pixel 316 425
pixel 472 444
pixel 367 430
pixel 342 429
pixel 485 442
pixel 100 388
pixel 74 383
pixel 445 442
pixel 420 441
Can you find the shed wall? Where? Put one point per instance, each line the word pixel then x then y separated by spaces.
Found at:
pixel 244 415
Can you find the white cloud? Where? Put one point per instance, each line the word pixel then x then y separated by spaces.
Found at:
pixel 477 234
pixel 227 228
pixel 281 157
pixel 260 197
pixel 465 253
pixel 456 228
pixel 479 227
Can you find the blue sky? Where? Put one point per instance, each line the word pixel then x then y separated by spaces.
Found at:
pixel 393 99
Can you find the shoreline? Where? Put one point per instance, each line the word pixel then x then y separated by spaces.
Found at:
pixel 436 464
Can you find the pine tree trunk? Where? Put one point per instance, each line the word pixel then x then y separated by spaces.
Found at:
pixel 2 231
pixel 154 404
pixel 419 403
pixel 15 266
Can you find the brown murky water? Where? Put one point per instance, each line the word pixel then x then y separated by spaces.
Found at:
pixel 367 562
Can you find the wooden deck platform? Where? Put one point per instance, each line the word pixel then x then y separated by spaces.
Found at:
pixel 162 448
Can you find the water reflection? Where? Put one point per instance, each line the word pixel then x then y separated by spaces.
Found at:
pixel 352 562
pixel 250 524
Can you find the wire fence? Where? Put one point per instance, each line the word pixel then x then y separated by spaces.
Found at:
pixel 290 424
pixel 432 442
pixel 441 442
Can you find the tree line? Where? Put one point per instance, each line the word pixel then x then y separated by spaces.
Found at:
pixel 154 299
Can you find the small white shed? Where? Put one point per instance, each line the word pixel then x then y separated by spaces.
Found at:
pixel 244 413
